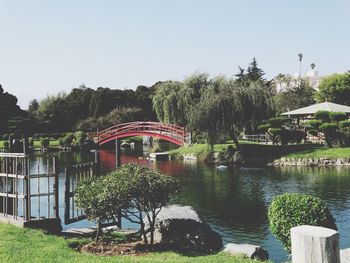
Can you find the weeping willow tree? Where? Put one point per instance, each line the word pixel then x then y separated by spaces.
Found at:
pixel 228 107
pixel 174 101
pixel 169 102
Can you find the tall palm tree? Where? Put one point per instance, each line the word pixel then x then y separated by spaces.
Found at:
pixel 300 56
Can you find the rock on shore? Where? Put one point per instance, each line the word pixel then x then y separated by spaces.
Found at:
pixel 182 229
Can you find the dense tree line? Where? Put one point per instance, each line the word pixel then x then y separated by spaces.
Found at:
pixel 11 115
pixel 214 107
pixel 88 109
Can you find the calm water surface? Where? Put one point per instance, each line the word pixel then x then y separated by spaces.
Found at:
pixel 235 201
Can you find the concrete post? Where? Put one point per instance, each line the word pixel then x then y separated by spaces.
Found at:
pixel 314 244
pixel 118 161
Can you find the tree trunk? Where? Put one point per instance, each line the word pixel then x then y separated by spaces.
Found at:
pixel 233 135
pixel 152 228
pixel 143 232
pixel 99 229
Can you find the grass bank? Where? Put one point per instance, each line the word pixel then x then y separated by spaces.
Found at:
pixel 28 245
pixel 36 144
pixel 265 152
pixel 199 150
pixel 321 153
pixel 52 144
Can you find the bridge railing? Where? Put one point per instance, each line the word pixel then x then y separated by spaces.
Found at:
pixel 171 130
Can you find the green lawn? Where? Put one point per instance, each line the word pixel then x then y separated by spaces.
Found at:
pixel 320 153
pixel 53 144
pixel 2 144
pixel 199 150
pixel 28 245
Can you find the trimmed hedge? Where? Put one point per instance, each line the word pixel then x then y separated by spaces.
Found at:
pixel 294 209
pixel 313 132
pixel 337 116
pixel 315 124
pixel 322 115
pixel 344 124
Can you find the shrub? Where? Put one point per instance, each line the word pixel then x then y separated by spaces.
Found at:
pixel 313 132
pixel 345 137
pixel 293 209
pixel 263 128
pixel 315 124
pixel 337 116
pixel 132 191
pixel 44 142
pixel 344 124
pixel 93 197
pixel 330 132
pixel 274 135
pixel 322 115
pixel 68 139
pixel 80 137
pixel 293 136
pixel 277 122
pixel 60 142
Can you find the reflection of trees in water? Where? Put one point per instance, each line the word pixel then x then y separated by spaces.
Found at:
pixel 224 197
pixel 331 184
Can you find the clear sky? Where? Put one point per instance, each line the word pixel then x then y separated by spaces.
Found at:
pixel 51 46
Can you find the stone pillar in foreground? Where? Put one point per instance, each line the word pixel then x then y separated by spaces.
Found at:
pixel 311 244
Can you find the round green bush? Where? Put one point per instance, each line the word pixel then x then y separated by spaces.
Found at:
pixel 293 209
pixel 344 124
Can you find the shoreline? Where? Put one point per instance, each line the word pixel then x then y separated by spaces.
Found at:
pixel 268 155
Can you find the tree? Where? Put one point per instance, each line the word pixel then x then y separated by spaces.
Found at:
pixel 174 101
pixel 229 107
pixel 93 197
pixel 132 191
pixel 335 88
pixel 33 106
pixel 295 93
pixel 8 109
pixel 254 73
pixel 147 191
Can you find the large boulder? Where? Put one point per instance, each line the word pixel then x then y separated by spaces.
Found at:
pixel 247 250
pixel 182 229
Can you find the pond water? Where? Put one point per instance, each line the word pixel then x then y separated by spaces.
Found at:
pixel 235 201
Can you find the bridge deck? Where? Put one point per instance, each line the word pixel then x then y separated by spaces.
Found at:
pixel 169 132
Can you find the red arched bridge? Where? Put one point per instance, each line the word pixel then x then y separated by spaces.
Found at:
pixel 168 132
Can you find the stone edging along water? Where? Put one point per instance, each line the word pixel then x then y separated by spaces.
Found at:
pixel 284 161
pixel 322 161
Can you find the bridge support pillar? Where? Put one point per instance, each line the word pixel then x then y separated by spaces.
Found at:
pixel 118 161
